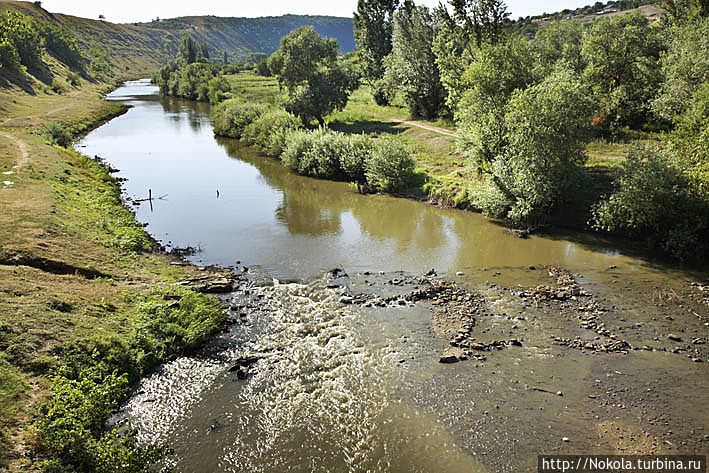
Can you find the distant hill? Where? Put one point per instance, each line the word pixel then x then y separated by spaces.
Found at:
pixel 152 44
pixel 244 35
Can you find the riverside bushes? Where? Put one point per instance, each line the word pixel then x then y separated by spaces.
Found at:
pixel 230 118
pixel 384 164
pixel 269 132
pixel 657 201
pixel 95 377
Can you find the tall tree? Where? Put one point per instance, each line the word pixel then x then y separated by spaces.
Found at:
pixel 188 50
pixel 373 28
pixel 317 82
pixel 622 54
pixel 411 67
pixel 482 20
pixel 204 52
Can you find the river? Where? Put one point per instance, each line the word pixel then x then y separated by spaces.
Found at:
pixel 352 388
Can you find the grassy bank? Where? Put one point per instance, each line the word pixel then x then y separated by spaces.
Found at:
pixel 78 276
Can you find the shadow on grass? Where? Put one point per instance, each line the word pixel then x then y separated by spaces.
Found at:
pixel 18 79
pixel 370 126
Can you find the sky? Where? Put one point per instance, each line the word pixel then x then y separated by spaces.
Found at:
pixel 129 11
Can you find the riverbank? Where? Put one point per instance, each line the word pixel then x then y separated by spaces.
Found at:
pixel 74 263
pixel 301 362
pixel 450 178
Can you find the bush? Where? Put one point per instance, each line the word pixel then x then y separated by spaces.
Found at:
pixel 19 30
pixel 218 89
pixel 73 79
pixel 655 201
pixel 300 156
pixel 353 161
pixel 268 133
pixel 60 42
pixel 56 133
pixel 95 377
pixel 230 118
pixel 162 331
pixel 262 68
pixel 9 58
pixel 58 86
pixel 691 138
pixel 390 168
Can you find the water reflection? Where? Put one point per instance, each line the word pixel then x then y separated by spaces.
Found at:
pixel 295 227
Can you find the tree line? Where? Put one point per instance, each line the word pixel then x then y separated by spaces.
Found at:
pixel 525 107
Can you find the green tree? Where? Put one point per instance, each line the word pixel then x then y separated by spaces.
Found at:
pixel 690 139
pixel 262 68
pixel 655 201
pixel 685 67
pixel 411 67
pixel 203 52
pixel 19 30
pixel 454 52
pixel 546 130
pixel 9 58
pixel 561 42
pixel 682 11
pixel 481 20
pixel 189 50
pixel 489 82
pixel 317 83
pixel 373 29
pixel 622 55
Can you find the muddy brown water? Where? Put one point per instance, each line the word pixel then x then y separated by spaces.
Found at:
pixel 351 388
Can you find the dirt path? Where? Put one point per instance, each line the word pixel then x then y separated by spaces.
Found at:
pixel 432 128
pixel 21 145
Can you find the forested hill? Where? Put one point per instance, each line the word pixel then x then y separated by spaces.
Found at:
pixel 243 35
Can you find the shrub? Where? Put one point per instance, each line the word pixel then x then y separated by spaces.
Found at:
pixel 390 168
pixel 654 200
pixel 73 79
pixel 60 42
pixel 56 133
pixel 58 86
pixel 269 131
pixel 353 160
pixel 691 138
pixel 161 331
pixel 262 68
pixel 9 58
pixel 19 30
pixel 95 377
pixel 299 155
pixel 230 118
pixel 218 89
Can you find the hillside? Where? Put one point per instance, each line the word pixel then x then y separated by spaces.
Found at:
pixel 145 47
pixel 244 35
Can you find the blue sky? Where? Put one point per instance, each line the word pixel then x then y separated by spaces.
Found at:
pixel 127 11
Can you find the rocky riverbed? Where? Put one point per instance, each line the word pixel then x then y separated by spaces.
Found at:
pixel 498 373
